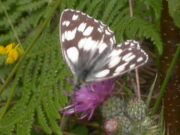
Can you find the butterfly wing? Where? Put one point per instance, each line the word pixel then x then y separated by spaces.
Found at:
pixel 82 40
pixel 121 59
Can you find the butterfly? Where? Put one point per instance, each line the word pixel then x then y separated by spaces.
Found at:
pixel 90 49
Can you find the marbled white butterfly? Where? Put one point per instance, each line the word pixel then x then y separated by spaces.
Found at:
pixel 90 50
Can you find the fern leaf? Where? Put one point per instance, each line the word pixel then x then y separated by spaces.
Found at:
pixel 42 120
pixel 82 5
pixel 121 14
pixel 92 6
pixel 155 5
pixel 23 15
pixel 31 6
pixel 8 131
pixel 97 10
pixel 50 110
pixel 55 127
pixel 25 125
pixel 7 5
pixel 174 11
pixel 138 28
pixel 150 32
pixel 15 115
pixel 70 3
pixel 108 10
pixel 118 10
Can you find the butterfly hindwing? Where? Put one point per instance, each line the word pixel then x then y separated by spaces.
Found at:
pixel 83 39
pixel 123 58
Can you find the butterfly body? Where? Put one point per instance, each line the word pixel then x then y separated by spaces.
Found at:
pixel 90 49
pixel 88 68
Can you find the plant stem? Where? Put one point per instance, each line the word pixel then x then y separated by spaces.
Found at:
pixel 130 8
pixel 137 89
pixel 138 92
pixel 166 80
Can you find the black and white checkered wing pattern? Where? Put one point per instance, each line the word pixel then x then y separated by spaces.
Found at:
pixel 123 58
pixel 83 39
pixel 88 47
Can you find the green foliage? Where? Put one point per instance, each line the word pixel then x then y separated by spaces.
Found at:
pixel 80 130
pixel 40 78
pixel 174 11
pixel 38 86
pixel 150 9
pixel 115 13
pixel 24 15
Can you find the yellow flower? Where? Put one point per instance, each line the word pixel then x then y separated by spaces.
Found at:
pixel 12 51
pixel 2 50
pixel 12 56
pixel 10 47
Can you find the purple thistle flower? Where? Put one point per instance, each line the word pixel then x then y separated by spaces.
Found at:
pixel 89 97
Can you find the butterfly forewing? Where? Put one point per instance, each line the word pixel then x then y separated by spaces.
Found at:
pixel 83 39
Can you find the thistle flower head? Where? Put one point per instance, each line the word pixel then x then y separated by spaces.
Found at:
pixel 89 97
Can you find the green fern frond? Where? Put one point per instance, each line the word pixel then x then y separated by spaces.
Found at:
pixel 149 10
pixel 31 6
pixel 50 109
pixel 136 27
pixel 110 6
pixel 174 11
pixel 8 4
pixel 38 81
pixel 25 125
pixel 92 6
pixel 82 5
pixel 42 120
pixel 97 10
pixel 118 10
pixel 24 15
pixel 70 3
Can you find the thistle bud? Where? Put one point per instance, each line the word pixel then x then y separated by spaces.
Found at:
pixel 136 109
pixel 119 125
pixel 113 107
